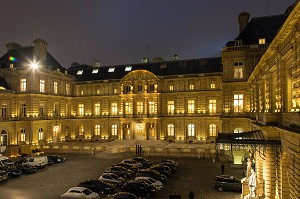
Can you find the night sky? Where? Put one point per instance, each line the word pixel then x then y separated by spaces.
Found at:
pixel 119 31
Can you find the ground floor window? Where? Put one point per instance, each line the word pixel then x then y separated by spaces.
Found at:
pixel 212 130
pixel 41 134
pixel 97 129
pixel 171 130
pixel 23 135
pixel 191 130
pixel 114 130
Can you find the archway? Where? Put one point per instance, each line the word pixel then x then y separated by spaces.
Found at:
pixel 3 138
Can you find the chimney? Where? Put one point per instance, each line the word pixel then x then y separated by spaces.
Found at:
pixel 243 20
pixel 12 45
pixel 96 63
pixel 40 49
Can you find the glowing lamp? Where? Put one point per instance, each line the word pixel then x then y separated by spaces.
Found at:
pixel 34 65
pixel 11 58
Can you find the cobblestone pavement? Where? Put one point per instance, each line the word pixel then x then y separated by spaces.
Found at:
pixel 194 174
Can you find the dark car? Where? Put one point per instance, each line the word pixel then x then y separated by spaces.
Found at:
pixel 139 188
pixel 146 163
pixel 172 166
pixel 13 171
pixel 122 195
pixel 3 176
pixel 163 169
pixel 27 169
pixel 56 159
pixel 127 166
pixel 120 171
pixel 98 186
pixel 153 174
pixel 227 182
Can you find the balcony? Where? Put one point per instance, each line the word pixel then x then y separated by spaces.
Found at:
pixel 245 47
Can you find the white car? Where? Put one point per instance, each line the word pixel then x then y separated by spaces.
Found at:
pixel 80 192
pixel 111 178
pixel 133 162
pixel 155 183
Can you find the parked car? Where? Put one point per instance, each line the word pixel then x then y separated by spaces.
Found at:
pixel 56 158
pixel 120 171
pixel 157 184
pixel 172 166
pixel 13 171
pixel 170 161
pixel 98 186
pixel 37 161
pixel 127 166
pixel 3 176
pixel 27 169
pixel 151 173
pixel 133 162
pixel 163 169
pixel 122 195
pixel 227 182
pixel 146 163
pixel 139 188
pixel 80 192
pixel 112 178
pixel 5 161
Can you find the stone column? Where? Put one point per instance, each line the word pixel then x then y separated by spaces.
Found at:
pixel 269 173
pixel 284 167
pixel 259 174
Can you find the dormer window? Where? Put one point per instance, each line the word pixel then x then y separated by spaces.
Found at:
pixel 262 41
pixel 79 72
pixel 111 70
pixel 238 42
pixel 128 68
pixel 95 70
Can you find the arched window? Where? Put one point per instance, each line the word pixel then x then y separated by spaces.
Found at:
pixel 212 130
pixel 191 130
pixel 3 138
pixel 80 130
pixel 41 134
pixel 97 129
pixel 171 130
pixel 114 129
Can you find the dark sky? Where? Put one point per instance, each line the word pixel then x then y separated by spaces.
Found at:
pixel 119 31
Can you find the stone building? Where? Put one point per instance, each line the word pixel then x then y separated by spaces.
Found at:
pixel 250 93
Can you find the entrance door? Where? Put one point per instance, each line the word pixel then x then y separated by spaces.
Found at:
pixel 3 138
pixel 140 132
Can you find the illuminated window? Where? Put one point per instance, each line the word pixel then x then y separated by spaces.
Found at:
pixel 171 107
pixel 80 109
pixel 23 110
pixel 80 130
pixel 212 106
pixel 238 103
pixel 152 107
pixel 139 107
pixel 41 134
pixel 42 86
pixel 114 108
pixel 191 130
pixel 97 130
pixel 171 130
pixel 79 72
pixel 111 70
pixel 55 87
pixel 68 89
pixel 238 73
pixel 4 110
pixel 114 130
pixel 171 87
pixel 191 106
pixel 23 85
pixel 128 108
pixel 115 90
pixel 128 68
pixel 22 135
pixel 262 41
pixel 95 70
pixel 238 130
pixel 212 84
pixel 212 130
pixel 81 91
pixel 191 86
pixel 97 109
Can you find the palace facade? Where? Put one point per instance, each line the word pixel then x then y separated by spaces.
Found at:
pixel 254 86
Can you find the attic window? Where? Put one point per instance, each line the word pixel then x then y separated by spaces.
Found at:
pixel 128 68
pixel 238 42
pixel 79 72
pixel 262 41
pixel 2 88
pixel 95 70
pixel 111 70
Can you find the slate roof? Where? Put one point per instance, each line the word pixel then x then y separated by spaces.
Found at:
pixel 164 68
pixel 261 27
pixel 23 55
pixel 4 84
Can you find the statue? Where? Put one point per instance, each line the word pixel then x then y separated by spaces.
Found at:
pixel 249 167
pixel 252 183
